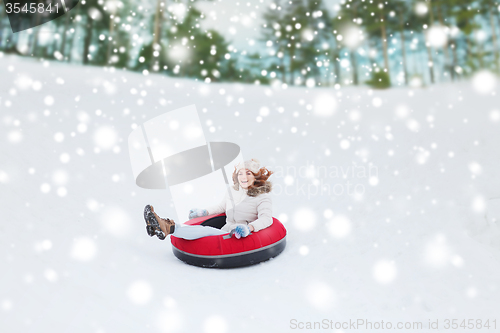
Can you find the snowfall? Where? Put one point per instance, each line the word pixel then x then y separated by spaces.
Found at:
pixel 391 200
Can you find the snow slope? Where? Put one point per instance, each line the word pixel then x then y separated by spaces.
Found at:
pixel 405 229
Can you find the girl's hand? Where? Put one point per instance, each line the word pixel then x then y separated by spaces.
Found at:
pixel 196 212
pixel 242 230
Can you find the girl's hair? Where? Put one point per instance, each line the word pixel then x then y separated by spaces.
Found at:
pixel 260 178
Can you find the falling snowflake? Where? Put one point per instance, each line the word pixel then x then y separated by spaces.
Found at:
pixel 384 271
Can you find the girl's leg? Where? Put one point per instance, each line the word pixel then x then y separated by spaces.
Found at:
pixel 195 231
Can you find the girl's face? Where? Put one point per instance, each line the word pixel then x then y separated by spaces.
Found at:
pixel 245 178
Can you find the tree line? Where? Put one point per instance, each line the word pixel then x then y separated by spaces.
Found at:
pixel 301 42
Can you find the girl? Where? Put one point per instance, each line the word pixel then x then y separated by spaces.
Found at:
pixel 248 208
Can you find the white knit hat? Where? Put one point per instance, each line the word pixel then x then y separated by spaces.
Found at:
pixel 252 165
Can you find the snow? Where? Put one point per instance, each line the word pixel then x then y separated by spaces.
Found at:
pixel 304 219
pixel 484 82
pixel 105 137
pixel 409 235
pixel 320 295
pixel 140 292
pixel 436 36
pixel 215 324
pixel 384 271
pixel 48 100
pixel 84 249
pixel 339 226
pixel 421 8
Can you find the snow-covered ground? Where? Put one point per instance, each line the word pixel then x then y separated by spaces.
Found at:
pixel 391 200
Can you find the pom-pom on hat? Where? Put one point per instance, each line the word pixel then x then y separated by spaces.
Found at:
pixel 252 165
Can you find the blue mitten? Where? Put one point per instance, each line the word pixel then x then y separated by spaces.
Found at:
pixel 197 213
pixel 241 231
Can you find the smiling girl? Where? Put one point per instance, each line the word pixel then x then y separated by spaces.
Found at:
pixel 247 205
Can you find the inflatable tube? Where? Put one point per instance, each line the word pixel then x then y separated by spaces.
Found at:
pixel 224 252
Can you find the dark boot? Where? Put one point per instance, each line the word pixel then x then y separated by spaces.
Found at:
pixel 153 224
pixel 150 225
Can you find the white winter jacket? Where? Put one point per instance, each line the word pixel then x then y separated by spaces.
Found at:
pixel 253 207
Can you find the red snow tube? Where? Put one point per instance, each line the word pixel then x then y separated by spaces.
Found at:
pixel 224 252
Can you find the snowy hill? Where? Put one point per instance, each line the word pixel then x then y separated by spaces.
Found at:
pixel 390 198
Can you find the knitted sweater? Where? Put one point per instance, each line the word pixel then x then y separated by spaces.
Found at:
pixel 253 207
